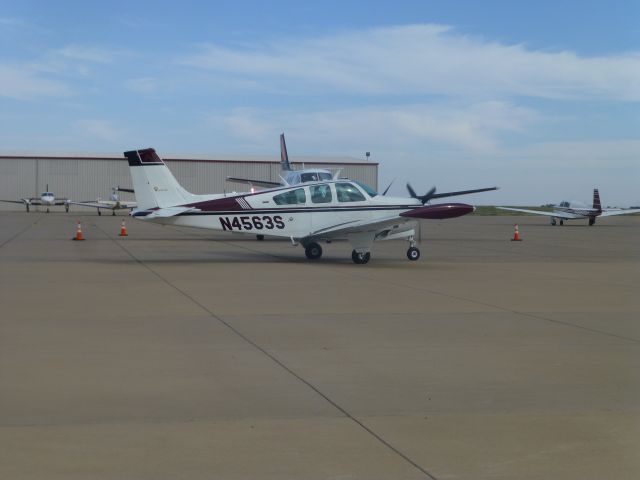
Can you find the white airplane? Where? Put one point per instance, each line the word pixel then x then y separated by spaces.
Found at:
pixel 114 203
pixel 576 210
pixel 287 174
pixel 307 214
pixel 46 199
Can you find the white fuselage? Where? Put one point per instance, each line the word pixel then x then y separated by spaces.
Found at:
pixel 258 213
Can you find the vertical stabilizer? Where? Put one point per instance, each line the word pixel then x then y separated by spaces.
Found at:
pixel 596 200
pixel 153 183
pixel 284 156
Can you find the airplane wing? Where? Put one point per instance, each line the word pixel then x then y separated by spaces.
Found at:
pixel 359 226
pixel 23 201
pixel 610 213
pixel 566 215
pixel 110 206
pixel 259 183
pixel 461 192
pixel 61 201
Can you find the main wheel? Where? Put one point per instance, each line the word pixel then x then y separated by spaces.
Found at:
pixel 99 212
pixel 260 237
pixel 113 212
pixel 561 222
pixel 66 208
pixel 360 258
pixel 313 251
pixel 413 253
pixel 592 221
pixel 553 222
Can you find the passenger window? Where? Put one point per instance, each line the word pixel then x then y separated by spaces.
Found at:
pixel 291 197
pixel 321 193
pixel 346 192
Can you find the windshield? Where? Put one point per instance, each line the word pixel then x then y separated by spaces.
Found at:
pixel 370 191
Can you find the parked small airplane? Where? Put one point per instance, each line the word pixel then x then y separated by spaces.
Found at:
pixel 576 210
pixel 307 214
pixel 289 176
pixel 114 203
pixel 46 199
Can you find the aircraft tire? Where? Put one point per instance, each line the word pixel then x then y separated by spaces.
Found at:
pixel 313 251
pixel 592 221
pixel 99 212
pixel 561 222
pixel 66 208
pixel 113 213
pixel 553 222
pixel 360 258
pixel 27 208
pixel 413 254
pixel 260 237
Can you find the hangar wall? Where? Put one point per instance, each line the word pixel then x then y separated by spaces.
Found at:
pixel 87 178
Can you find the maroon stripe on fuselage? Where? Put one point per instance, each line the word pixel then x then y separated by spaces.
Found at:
pixel 227 204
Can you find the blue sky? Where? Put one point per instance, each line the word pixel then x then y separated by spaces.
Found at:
pixel 540 98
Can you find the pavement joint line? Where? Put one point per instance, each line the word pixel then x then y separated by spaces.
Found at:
pixel 277 361
pixel 456 297
pixel 24 230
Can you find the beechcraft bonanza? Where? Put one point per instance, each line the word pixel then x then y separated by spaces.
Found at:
pixel 576 210
pixel 307 213
pixel 46 199
pixel 288 176
pixel 114 203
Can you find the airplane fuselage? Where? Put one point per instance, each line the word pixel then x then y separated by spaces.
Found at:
pixel 310 216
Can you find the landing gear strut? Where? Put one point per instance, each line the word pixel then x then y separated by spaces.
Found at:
pixel 360 258
pixel 313 251
pixel 553 221
pixel 413 253
pixel 592 221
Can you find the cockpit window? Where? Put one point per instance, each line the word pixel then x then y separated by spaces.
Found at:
pixel 370 191
pixel 347 192
pixel 291 197
pixel 320 193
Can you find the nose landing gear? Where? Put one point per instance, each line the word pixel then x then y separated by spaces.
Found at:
pixel 413 253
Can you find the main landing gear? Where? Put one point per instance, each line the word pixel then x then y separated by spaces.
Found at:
pixel 313 251
pixel 360 258
pixel 554 222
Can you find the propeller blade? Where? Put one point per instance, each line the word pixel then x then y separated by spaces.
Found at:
pixel 423 198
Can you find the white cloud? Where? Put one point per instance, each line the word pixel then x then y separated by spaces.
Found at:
pixel 101 130
pixel 425 59
pixel 469 127
pixel 22 82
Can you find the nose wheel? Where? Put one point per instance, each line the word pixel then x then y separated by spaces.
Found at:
pixel 413 253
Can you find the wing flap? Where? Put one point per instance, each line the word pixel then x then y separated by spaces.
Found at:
pixel 556 214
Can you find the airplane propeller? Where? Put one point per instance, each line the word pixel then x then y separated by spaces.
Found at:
pixel 423 198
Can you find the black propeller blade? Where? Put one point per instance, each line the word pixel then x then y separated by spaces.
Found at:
pixel 423 198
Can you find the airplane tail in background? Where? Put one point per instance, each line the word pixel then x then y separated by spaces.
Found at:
pixel 284 156
pixel 153 183
pixel 596 200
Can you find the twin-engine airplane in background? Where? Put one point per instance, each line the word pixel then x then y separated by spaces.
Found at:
pixel 575 210
pixel 307 213
pixel 114 203
pixel 289 176
pixel 46 199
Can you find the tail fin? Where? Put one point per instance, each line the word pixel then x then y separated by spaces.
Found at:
pixel 596 200
pixel 284 156
pixel 153 183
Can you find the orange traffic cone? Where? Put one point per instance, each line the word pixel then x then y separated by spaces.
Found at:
pixel 516 234
pixel 123 230
pixel 78 233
